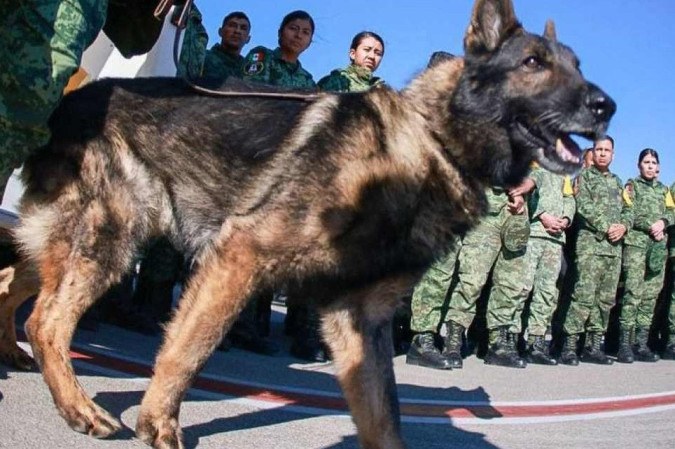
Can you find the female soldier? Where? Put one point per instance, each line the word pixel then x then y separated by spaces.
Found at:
pixel 365 55
pixel 281 67
pixel 643 258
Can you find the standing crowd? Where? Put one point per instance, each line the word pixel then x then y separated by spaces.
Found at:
pixel 587 233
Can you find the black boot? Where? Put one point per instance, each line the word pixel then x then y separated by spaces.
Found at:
pixel 502 350
pixel 452 347
pixel 625 352
pixel 592 352
pixel 669 353
pixel 307 343
pixel 423 352
pixel 568 356
pixel 538 351
pixel 640 349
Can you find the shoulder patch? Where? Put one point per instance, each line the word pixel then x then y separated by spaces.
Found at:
pixel 670 203
pixel 628 194
pixel 568 189
pixel 254 68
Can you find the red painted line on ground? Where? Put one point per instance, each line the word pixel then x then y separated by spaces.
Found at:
pixel 407 409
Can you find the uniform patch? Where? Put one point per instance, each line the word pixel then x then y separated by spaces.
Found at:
pixel 670 203
pixel 628 194
pixel 254 68
pixel 568 189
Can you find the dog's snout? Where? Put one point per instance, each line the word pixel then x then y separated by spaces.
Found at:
pixel 601 105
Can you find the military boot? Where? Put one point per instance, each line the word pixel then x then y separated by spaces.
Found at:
pixel 640 348
pixel 669 353
pixel 568 356
pixel 502 350
pixel 307 343
pixel 538 351
pixel 423 352
pixel 625 352
pixel 452 347
pixel 592 352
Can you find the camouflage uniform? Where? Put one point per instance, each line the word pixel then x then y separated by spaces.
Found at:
pixel 220 64
pixel 671 253
pixel 193 50
pixel 651 202
pixel 350 79
pixel 599 204
pixel 553 195
pixel 41 47
pixel 266 66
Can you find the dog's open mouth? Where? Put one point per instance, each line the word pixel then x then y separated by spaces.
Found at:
pixel 555 151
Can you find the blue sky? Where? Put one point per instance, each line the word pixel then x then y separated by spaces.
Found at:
pixel 625 46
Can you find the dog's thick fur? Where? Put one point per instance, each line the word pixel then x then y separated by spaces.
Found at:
pixel 348 198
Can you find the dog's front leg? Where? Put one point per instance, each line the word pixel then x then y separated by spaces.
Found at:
pixel 214 297
pixel 360 338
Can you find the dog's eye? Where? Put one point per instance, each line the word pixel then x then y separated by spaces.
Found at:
pixel 533 63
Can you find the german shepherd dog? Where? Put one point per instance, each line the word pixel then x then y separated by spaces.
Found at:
pixel 348 198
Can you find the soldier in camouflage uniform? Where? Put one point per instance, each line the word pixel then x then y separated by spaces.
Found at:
pixel 644 258
pixel 281 67
pixel 428 299
pixel 669 353
pixel 365 54
pixel 551 207
pixel 603 219
pixel 224 59
pixel 499 242
pixel 41 45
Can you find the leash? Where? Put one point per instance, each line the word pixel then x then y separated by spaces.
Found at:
pixel 163 8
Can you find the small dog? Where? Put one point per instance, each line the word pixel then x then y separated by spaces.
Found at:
pixel 348 198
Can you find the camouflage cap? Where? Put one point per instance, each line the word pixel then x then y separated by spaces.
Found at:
pixel 657 253
pixel 515 232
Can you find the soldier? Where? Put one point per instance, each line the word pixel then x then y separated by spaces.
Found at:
pixel 428 299
pixel 499 241
pixel 281 67
pixel 224 59
pixel 365 54
pixel 41 45
pixel 603 219
pixel 551 208
pixel 644 258
pixel 669 353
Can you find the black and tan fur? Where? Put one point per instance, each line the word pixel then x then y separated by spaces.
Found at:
pixel 348 199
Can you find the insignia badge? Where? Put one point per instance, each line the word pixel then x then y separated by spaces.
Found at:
pixel 254 67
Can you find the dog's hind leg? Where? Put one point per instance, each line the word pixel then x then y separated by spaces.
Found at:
pixel 88 250
pixel 358 330
pixel 17 283
pixel 215 295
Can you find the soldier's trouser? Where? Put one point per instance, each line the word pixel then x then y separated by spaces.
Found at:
pixel 509 291
pixel 430 293
pixel 41 46
pixel 671 313
pixel 594 293
pixel 641 290
pixel 544 259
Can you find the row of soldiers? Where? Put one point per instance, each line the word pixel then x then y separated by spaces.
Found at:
pixel 605 229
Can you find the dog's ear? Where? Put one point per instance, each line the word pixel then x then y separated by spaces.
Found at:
pixel 492 21
pixel 549 31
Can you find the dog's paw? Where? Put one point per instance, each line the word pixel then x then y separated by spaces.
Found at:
pixel 91 419
pixel 15 357
pixel 159 432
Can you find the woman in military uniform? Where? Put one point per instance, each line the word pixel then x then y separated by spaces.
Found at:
pixel 644 258
pixel 281 66
pixel 365 54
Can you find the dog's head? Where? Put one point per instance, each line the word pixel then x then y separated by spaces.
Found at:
pixel 521 96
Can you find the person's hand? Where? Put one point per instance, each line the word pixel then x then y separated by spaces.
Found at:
pixel 552 224
pixel 516 204
pixel 657 228
pixel 523 188
pixel 616 232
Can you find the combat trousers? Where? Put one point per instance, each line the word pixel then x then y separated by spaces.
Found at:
pixel 43 42
pixel 544 260
pixel 641 289
pixel 594 293
pixel 481 250
pixel 671 313
pixel 430 293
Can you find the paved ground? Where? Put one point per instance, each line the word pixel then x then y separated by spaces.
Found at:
pixel 242 400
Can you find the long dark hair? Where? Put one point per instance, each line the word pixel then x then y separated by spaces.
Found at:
pixel 648 152
pixel 291 16
pixel 356 41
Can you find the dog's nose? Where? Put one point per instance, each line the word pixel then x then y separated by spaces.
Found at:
pixel 601 104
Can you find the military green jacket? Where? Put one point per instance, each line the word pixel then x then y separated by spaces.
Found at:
pixel 350 79
pixel 266 66
pixel 553 194
pixel 650 203
pixel 600 204
pixel 671 228
pixel 219 64
pixel 193 49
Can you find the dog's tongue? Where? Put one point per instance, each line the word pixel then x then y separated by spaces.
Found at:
pixel 567 149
